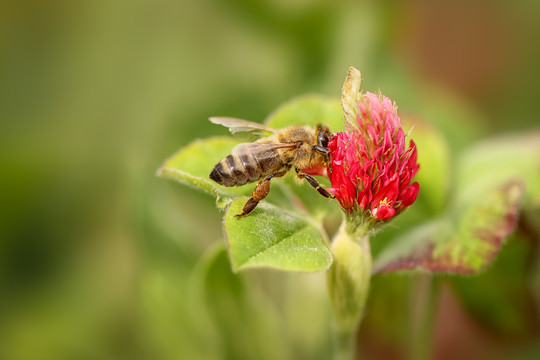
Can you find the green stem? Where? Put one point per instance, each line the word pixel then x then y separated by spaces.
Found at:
pixel 348 282
pixel 344 345
pixel 423 309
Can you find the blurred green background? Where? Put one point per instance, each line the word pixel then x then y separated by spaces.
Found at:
pixel 100 259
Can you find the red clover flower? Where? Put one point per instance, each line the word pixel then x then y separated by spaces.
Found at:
pixel 370 169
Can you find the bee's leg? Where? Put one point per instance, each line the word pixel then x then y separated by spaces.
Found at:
pixel 260 192
pixel 315 184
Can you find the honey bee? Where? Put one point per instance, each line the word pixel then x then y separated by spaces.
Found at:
pixel 300 147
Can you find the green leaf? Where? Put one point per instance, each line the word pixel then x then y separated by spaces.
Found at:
pixel 192 165
pixel 464 242
pixel 308 110
pixel 509 157
pixel 493 179
pixel 274 238
pixel 434 159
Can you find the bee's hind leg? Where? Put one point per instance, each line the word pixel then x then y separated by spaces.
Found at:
pixel 315 184
pixel 260 192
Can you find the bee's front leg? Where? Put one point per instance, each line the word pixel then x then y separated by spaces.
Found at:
pixel 260 192
pixel 315 184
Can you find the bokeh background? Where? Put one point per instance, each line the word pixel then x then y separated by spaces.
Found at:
pixel 100 259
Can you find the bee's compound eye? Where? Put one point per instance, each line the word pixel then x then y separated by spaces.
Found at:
pixel 322 139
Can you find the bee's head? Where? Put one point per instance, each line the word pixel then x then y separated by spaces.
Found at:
pixel 323 136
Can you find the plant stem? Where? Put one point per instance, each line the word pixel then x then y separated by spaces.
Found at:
pixel 348 282
pixel 344 345
pixel 423 308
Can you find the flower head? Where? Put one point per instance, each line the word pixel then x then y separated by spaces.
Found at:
pixel 371 169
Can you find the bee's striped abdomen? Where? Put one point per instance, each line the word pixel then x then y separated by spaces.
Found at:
pixel 232 171
pixel 252 169
pixel 236 170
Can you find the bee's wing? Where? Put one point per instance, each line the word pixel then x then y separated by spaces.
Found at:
pixel 243 129
pixel 259 150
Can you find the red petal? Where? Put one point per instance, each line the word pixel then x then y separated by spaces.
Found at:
pixel 383 212
pixel 405 178
pixel 364 198
pixel 413 159
pixel 408 195
pixel 342 187
pixel 389 192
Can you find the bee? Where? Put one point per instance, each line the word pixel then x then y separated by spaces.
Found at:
pixel 300 147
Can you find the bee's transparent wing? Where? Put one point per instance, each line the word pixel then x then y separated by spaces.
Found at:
pixel 259 150
pixel 243 129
